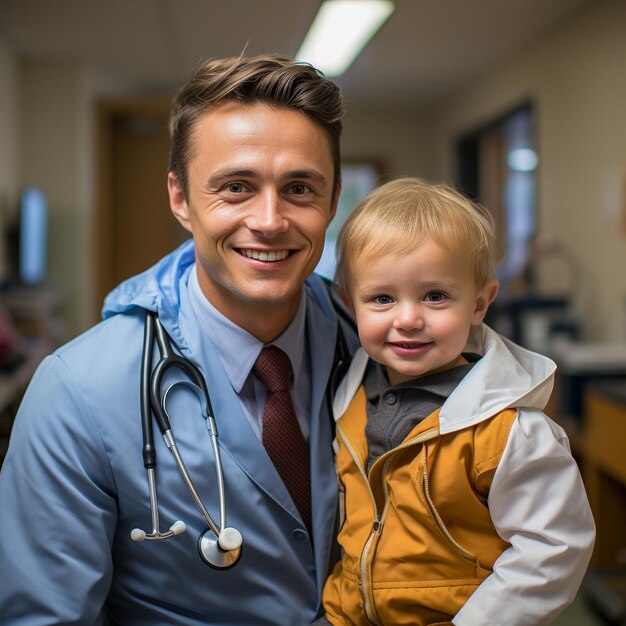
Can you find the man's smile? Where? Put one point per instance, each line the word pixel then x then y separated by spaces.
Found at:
pixel 264 255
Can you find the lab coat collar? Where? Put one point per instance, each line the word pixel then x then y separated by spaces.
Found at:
pixel 156 289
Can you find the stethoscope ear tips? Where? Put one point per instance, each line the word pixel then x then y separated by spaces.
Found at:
pixel 178 527
pixel 136 534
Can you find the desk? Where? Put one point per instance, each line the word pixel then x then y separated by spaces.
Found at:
pixel 581 365
pixel 603 455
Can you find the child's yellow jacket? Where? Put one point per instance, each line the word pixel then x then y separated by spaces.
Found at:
pixel 479 517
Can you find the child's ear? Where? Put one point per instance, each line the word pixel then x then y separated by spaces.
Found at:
pixel 484 298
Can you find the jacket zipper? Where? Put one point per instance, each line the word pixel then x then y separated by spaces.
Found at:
pixel 376 528
pixel 377 525
pixel 442 527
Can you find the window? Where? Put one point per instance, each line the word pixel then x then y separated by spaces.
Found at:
pixel 497 166
pixel 357 180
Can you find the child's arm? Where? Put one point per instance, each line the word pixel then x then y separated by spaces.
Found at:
pixel 538 504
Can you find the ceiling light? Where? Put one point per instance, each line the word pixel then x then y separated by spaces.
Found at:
pixel 339 32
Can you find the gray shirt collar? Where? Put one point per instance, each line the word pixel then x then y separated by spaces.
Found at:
pixel 440 383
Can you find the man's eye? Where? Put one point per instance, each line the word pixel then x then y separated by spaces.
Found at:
pixel 299 189
pixel 383 300
pixel 235 187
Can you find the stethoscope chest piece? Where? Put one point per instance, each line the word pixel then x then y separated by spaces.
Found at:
pixel 221 552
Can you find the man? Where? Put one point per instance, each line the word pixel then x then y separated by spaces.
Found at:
pixel 254 177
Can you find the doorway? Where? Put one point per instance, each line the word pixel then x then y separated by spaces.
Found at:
pixel 135 225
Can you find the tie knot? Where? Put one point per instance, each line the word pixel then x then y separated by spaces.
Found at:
pixel 273 369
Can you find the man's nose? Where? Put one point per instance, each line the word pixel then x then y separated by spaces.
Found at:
pixel 268 215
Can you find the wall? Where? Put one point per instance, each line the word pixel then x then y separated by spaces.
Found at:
pixel 576 77
pixel 9 147
pixel 57 156
pixel 398 140
pixel 46 141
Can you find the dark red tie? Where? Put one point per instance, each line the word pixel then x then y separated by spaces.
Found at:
pixel 282 436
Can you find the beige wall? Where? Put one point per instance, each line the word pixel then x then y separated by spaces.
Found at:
pixel 577 79
pixel 575 76
pixel 57 157
pixel 45 141
pixel 397 140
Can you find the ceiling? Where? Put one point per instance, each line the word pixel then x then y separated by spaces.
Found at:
pixel 425 51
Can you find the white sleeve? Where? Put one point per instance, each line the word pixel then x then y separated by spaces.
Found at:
pixel 539 505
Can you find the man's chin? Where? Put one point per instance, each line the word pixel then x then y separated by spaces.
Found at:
pixel 269 299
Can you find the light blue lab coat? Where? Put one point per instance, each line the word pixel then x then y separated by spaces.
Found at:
pixel 73 485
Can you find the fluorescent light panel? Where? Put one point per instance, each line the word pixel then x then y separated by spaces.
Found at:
pixel 339 32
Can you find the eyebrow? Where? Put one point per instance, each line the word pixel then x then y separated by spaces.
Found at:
pixel 304 174
pixel 427 285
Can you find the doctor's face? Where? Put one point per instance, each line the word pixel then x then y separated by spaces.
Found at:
pixel 260 197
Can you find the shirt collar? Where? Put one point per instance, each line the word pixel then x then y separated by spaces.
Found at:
pixel 236 348
pixel 439 383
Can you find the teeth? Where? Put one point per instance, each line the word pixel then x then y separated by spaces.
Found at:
pixel 258 255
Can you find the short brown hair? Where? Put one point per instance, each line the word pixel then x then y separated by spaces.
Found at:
pixel 400 215
pixel 267 79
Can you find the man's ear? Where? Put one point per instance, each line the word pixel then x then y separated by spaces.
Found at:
pixel 178 202
pixel 485 297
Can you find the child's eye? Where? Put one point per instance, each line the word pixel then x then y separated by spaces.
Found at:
pixel 435 296
pixel 382 300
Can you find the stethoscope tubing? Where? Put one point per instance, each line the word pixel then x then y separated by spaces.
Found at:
pixel 153 401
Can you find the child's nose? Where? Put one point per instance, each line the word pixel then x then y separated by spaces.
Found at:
pixel 409 317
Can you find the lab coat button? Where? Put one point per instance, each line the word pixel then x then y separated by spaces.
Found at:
pixel 390 398
pixel 299 534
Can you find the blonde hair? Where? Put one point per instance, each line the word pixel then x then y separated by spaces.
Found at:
pixel 398 216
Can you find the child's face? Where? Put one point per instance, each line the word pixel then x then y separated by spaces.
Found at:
pixel 415 311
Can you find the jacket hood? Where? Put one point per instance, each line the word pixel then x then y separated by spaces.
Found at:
pixel 156 289
pixel 507 376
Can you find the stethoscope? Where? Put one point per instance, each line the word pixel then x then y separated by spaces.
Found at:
pixel 219 546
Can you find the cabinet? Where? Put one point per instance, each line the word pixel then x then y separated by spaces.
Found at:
pixel 604 468
pixel 599 443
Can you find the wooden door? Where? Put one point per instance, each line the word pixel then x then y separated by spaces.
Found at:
pixel 135 224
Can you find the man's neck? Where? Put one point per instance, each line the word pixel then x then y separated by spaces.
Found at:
pixel 265 322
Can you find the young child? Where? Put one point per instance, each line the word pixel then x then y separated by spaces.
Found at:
pixel 462 502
